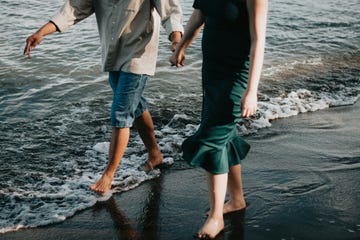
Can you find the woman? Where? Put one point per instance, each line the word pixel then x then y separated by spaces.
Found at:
pixel 233 46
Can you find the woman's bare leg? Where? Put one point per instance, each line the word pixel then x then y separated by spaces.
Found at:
pixel 217 191
pixel 235 188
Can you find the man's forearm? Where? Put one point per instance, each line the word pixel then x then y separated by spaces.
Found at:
pixel 47 29
pixel 175 36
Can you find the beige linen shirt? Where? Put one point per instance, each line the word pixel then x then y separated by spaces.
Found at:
pixel 129 29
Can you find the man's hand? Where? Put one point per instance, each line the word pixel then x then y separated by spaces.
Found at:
pixel 32 42
pixel 36 38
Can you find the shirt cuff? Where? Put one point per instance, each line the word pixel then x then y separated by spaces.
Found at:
pixel 173 27
pixel 57 28
pixel 61 22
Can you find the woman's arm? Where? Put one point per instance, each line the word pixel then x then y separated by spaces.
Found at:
pixel 257 18
pixel 193 27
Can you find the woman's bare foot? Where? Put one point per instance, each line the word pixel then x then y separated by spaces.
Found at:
pixel 232 206
pixel 211 228
pixel 103 185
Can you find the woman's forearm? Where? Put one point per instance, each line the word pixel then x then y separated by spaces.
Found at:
pixel 257 18
pixel 193 27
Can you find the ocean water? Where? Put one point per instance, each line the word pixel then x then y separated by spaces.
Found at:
pixel 54 106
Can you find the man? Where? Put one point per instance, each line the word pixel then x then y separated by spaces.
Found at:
pixel 129 35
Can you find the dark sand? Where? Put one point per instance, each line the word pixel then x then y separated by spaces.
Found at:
pixel 301 179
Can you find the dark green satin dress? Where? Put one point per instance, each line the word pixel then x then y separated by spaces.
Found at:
pixel 216 146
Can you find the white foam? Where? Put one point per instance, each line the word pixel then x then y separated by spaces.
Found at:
pixel 56 198
pixel 291 104
pixel 102 147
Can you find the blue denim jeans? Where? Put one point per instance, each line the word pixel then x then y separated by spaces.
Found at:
pixel 128 101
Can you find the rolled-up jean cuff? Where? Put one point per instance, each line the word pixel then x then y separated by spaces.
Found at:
pixel 128 100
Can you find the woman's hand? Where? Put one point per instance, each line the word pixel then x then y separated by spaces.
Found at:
pixel 193 27
pixel 257 19
pixel 248 104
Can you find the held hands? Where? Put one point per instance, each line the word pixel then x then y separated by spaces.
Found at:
pixel 178 57
pixel 248 103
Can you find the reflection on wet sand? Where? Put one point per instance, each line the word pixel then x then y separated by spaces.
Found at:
pixel 122 224
pixel 236 225
pixel 146 227
pixel 127 230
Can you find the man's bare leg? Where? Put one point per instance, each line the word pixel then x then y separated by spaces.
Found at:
pixel 118 143
pixel 217 191
pixel 145 127
pixel 237 200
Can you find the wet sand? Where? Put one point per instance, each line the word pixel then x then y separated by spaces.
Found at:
pixel 301 181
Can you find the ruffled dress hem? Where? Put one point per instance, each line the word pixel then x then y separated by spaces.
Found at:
pixel 212 158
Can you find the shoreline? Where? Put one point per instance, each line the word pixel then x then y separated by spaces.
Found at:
pixel 300 182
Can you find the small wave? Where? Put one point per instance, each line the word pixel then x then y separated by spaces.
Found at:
pixel 275 69
pixel 343 164
pixel 292 104
pixel 304 189
pixel 342 167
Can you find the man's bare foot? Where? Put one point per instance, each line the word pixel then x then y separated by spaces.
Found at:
pixel 103 185
pixel 153 162
pixel 231 206
pixel 156 160
pixel 211 228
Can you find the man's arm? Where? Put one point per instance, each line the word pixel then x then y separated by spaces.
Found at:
pixel 175 38
pixel 71 13
pixel 36 38
pixel 171 19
